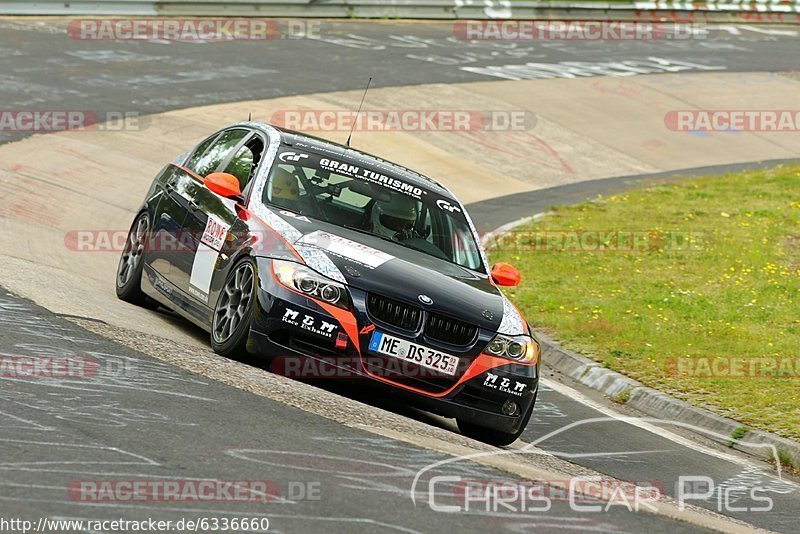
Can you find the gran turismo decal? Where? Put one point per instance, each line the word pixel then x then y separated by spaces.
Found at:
pixel 292 156
pixel 371 176
pixel 446 206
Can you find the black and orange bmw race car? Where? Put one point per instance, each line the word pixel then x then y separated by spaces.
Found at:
pixel 302 250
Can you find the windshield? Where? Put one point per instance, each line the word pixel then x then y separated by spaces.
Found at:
pixel 347 193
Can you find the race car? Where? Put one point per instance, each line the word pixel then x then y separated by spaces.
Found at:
pixel 300 250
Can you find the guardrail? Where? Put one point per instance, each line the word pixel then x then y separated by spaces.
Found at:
pixel 769 11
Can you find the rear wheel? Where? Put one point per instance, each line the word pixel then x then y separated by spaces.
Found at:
pixel 233 314
pixel 131 265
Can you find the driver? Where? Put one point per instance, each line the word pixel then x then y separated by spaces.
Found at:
pixel 394 217
pixel 285 190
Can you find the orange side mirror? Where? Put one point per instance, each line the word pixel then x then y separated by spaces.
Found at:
pixel 224 184
pixel 505 274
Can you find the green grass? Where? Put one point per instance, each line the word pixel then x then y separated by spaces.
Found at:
pixel 785 459
pixel 623 396
pixel 731 290
pixel 737 434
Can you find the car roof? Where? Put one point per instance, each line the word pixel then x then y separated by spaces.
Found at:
pixel 351 155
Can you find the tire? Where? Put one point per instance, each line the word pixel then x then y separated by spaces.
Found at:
pixel 233 313
pixel 131 265
pixel 492 436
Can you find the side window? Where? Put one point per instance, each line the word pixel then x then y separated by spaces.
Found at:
pixel 191 161
pixel 245 162
pixel 215 154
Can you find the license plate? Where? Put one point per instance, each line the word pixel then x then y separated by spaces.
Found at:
pixel 411 352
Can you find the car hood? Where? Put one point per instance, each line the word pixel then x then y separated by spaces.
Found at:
pixel 375 265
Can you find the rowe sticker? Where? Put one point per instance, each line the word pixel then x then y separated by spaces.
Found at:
pixel 214 233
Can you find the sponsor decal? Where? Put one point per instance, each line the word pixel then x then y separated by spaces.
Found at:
pixel 447 206
pixel 292 156
pixel 309 322
pixel 348 169
pixel 197 293
pixel 215 232
pixel 504 385
pixel 347 249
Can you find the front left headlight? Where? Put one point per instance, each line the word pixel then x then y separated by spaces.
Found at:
pixel 311 283
pixel 518 348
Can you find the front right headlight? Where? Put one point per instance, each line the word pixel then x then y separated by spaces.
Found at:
pixel 310 282
pixel 518 348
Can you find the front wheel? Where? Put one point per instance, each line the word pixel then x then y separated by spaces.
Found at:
pixel 491 436
pixel 233 314
pixel 131 265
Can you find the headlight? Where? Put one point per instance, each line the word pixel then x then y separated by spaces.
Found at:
pixel 310 282
pixel 517 348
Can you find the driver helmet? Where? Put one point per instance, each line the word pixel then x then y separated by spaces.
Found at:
pixel 392 216
pixel 284 186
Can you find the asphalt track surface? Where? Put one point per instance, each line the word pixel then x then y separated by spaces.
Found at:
pixel 170 424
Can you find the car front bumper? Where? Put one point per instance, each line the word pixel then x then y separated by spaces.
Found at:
pixel 306 339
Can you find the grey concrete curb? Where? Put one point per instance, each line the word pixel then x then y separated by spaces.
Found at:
pixel 659 404
pixel 647 400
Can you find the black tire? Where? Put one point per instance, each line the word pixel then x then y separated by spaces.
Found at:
pixel 491 436
pixel 131 265
pixel 230 329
